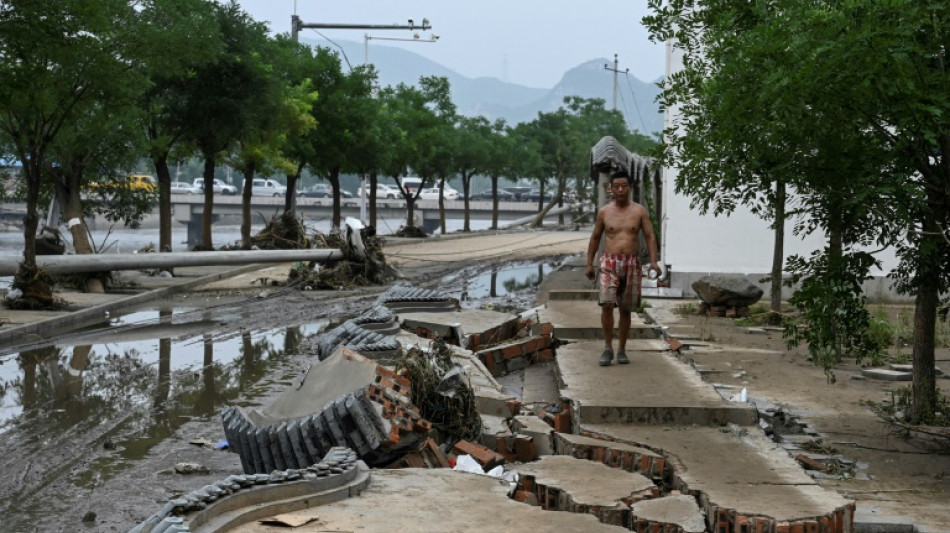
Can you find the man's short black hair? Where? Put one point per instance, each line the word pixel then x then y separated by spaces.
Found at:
pixel 621 174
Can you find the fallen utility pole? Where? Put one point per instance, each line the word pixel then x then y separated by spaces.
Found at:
pixel 71 264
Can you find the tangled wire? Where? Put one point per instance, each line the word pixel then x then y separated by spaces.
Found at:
pixel 441 393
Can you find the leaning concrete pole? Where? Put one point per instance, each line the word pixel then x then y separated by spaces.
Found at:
pixel 71 264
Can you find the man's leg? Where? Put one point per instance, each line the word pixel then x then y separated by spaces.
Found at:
pixel 607 323
pixel 622 334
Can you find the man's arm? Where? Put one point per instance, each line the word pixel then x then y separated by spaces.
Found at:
pixel 650 238
pixel 594 243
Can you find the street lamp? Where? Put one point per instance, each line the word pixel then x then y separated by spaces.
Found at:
pixel 415 39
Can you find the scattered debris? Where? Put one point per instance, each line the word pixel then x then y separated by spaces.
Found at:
pixel 411 231
pixel 191 468
pixel 440 393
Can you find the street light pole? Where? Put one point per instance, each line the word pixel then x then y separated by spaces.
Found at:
pixel 296 25
pixel 615 70
pixel 415 39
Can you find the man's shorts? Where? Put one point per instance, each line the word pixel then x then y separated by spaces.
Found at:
pixel 620 281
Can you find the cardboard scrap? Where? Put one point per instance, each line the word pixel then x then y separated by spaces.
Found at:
pixel 289 520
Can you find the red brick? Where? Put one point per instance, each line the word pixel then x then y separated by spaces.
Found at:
pixel 531 345
pixel 797 527
pixel 722 524
pixel 546 328
pixel 524 449
pixel 514 407
pixel 811 526
pixel 675 344
pixel 782 527
pixel 562 422
pixel 482 455
pixel 521 496
pixel 731 312
pixel 511 351
pixel 544 356
pixel 762 524
pixel 742 524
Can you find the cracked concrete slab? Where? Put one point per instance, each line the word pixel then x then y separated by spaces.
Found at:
pixel 746 472
pixel 421 501
pixel 683 511
pixel 587 482
pixel 654 388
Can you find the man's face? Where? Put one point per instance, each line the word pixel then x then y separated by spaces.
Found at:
pixel 620 188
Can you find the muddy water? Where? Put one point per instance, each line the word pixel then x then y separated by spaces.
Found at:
pixel 79 416
pixel 122 388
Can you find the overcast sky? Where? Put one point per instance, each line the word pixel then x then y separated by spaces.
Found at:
pixel 528 42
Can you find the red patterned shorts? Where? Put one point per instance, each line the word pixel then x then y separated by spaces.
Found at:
pixel 620 281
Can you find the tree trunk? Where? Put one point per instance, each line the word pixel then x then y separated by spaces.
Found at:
pixel 924 401
pixel 67 190
pixel 494 202
pixel 334 179
pixel 246 194
pixel 371 197
pixel 290 199
pixel 31 220
pixel 442 203
pixel 466 187
pixel 778 250
pixel 207 214
pixel 164 202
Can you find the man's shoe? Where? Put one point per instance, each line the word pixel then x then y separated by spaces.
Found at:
pixel 622 358
pixel 606 357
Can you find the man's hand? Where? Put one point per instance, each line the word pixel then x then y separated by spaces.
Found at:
pixel 590 272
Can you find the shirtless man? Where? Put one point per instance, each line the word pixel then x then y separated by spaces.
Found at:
pixel 623 220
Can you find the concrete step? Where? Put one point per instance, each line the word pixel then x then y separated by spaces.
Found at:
pixel 580 319
pixel 655 388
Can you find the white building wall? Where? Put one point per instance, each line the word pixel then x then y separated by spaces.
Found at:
pixel 694 245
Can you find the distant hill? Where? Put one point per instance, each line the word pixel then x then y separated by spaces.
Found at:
pixel 493 98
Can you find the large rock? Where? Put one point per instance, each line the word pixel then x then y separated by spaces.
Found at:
pixel 718 290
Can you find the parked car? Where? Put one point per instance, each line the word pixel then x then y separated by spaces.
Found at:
pixel 219 186
pixel 267 187
pixel 183 187
pixel 345 193
pixel 320 190
pixel 503 195
pixel 519 191
pixel 411 183
pixel 433 194
pixel 535 196
pixel 383 191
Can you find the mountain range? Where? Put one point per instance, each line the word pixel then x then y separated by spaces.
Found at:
pixel 494 98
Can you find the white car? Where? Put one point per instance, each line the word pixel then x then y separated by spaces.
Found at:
pixel 384 192
pixel 219 186
pixel 183 187
pixel 266 187
pixel 433 194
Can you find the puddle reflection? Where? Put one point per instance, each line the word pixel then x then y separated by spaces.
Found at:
pixel 503 280
pixel 145 386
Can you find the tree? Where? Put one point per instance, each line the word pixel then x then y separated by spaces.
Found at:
pixel 472 155
pixel 219 98
pixel 870 78
pixel 60 59
pixel 183 36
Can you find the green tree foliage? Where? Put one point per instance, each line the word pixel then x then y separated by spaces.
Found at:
pixel 61 60
pixel 846 103
pixel 218 101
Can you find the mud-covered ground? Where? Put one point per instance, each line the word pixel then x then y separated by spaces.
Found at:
pixel 104 461
pixel 65 470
